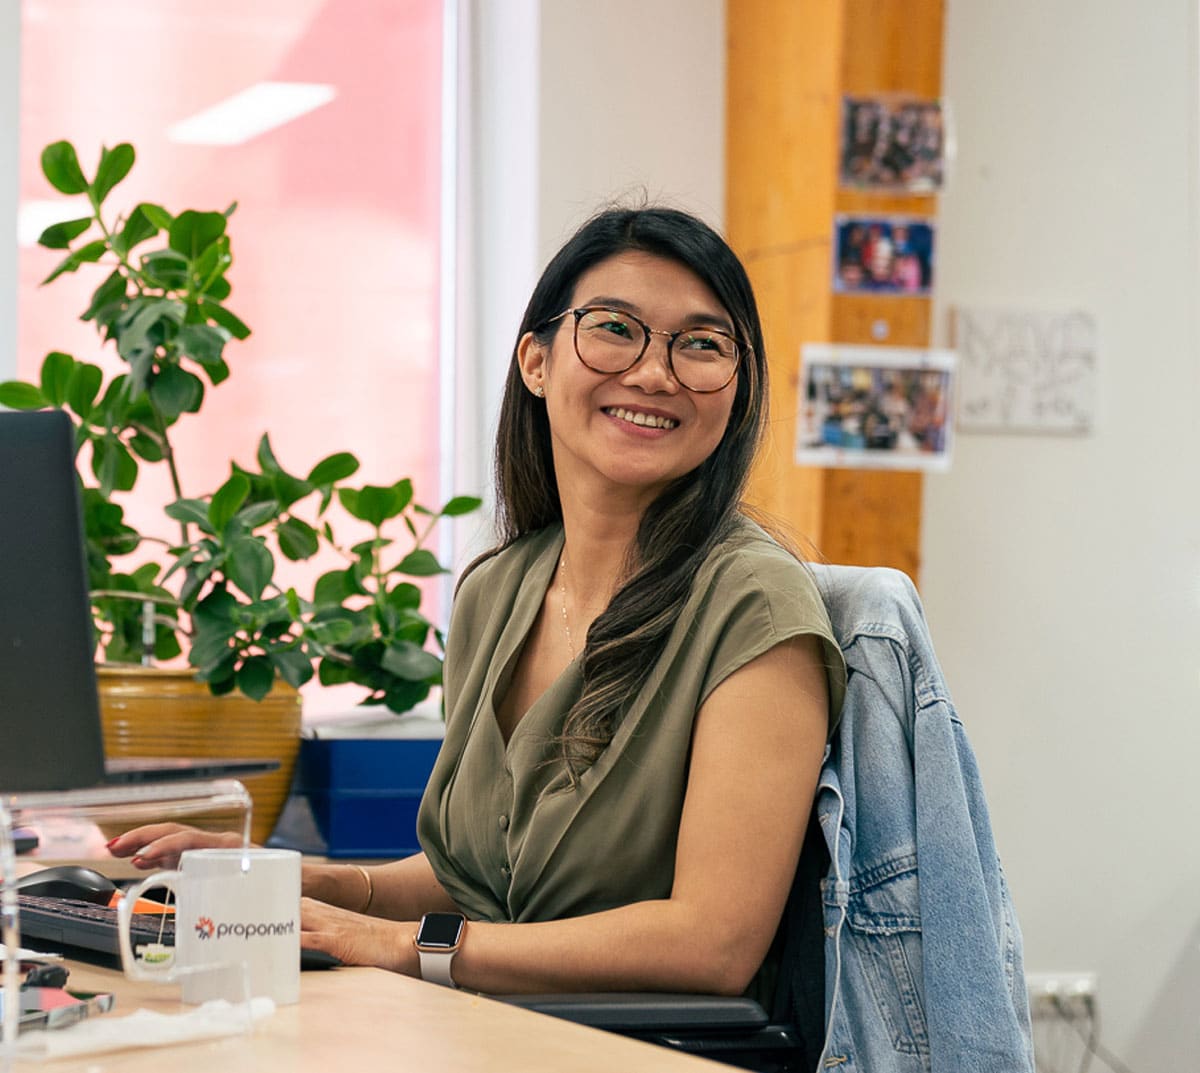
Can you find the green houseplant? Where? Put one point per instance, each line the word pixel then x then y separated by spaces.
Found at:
pixel 214 592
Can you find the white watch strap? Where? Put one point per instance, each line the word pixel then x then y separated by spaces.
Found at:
pixel 435 966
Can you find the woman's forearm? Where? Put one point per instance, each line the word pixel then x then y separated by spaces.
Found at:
pixel 401 890
pixel 647 946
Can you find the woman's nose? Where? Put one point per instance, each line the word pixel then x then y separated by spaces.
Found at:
pixel 652 371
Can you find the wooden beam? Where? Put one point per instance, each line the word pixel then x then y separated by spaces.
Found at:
pixel 790 63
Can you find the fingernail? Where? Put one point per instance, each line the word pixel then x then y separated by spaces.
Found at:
pixel 136 861
pixel 112 842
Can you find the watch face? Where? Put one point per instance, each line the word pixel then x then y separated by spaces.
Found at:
pixel 440 930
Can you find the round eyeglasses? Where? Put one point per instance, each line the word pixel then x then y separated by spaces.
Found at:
pixel 612 341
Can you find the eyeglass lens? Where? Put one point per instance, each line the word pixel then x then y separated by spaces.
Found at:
pixel 610 341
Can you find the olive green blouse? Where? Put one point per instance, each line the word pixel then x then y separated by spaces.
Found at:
pixel 507 836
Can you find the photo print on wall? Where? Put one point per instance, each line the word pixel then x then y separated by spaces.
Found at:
pixel 893 142
pixel 882 255
pixel 873 407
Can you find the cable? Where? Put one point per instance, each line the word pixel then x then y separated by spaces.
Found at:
pixel 1091 1038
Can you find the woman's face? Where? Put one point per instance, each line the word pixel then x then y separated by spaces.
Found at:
pixel 599 444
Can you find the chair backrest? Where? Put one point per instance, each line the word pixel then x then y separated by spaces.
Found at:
pixel 924 955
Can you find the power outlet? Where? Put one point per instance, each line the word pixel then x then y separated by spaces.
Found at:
pixel 1062 994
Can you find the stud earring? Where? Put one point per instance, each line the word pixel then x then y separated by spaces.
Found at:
pixel 540 391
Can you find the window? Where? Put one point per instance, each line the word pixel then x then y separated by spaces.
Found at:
pixel 323 120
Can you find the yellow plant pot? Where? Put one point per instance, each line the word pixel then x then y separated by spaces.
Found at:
pixel 154 711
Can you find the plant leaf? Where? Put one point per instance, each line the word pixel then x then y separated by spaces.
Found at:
pixel 216 611
pixel 257 513
pixel 408 661
pixel 266 456
pixel 332 588
pixel 176 391
pixel 372 504
pixel 87 254
pixel 114 166
pixel 288 489
pixel 202 342
pixel 56 374
pixel 115 468
pixel 61 167
pixel 91 251
pixel 165 268
pixel 332 673
pixel 156 214
pixel 226 501
pixel 420 563
pixel 404 597
pixel 137 229
pixel 190 511
pixel 60 236
pixel 404 696
pixel 191 232
pixel 292 665
pixel 146 447
pixel 18 395
pixel 250 566
pixel 84 387
pixel 460 505
pixel 108 296
pixel 227 320
pixel 297 539
pixel 334 468
pixel 255 677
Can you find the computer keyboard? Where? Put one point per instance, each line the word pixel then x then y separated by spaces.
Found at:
pixel 87 926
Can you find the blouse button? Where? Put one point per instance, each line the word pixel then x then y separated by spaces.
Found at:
pixel 506 872
pixel 503 821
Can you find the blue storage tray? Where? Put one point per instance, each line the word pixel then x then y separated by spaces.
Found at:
pixel 364 792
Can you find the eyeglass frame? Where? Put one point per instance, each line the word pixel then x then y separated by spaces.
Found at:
pixel 578 312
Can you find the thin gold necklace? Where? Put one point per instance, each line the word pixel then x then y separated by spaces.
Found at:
pixel 562 589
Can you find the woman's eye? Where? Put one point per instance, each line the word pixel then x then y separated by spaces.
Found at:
pixel 699 343
pixel 609 324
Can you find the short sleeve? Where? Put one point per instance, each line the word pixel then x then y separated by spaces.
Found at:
pixel 759 597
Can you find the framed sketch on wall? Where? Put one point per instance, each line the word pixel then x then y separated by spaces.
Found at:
pixel 1026 371
pixel 893 142
pixel 882 255
pixel 871 407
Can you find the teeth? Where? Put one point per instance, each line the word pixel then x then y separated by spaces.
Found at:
pixel 638 418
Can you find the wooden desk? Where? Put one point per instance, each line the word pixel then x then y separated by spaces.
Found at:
pixel 358 1020
pixel 374 1021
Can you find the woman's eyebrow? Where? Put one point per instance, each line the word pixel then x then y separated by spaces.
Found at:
pixel 714 320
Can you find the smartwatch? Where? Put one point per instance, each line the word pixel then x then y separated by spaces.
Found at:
pixel 437 941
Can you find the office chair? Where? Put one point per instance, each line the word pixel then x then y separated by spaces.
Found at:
pixel 897 719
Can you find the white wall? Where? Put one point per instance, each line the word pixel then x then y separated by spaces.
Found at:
pixel 10 67
pixel 1062 576
pixel 646 120
pixel 558 128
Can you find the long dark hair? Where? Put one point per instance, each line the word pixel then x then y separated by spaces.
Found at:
pixel 692 516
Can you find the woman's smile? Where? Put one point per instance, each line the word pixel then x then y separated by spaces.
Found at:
pixel 642 419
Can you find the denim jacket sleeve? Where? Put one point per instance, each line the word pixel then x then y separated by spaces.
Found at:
pixel 923 952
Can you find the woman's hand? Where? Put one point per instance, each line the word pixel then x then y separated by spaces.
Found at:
pixel 356 939
pixel 158 845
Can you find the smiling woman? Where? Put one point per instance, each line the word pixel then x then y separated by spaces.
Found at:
pixel 633 648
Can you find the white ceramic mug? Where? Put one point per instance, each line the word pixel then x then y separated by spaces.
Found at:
pixel 237 925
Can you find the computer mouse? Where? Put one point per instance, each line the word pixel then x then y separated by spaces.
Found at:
pixel 69 881
pixel 317 959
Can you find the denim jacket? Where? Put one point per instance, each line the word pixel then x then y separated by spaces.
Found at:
pixel 923 957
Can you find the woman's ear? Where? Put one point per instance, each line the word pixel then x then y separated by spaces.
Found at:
pixel 531 356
